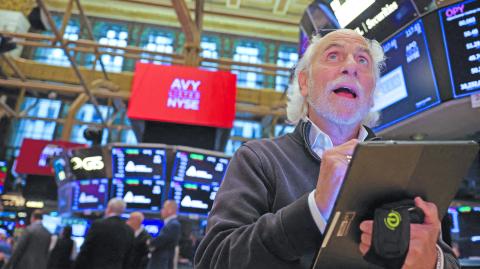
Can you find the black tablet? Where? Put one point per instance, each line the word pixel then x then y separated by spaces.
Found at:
pixel 388 171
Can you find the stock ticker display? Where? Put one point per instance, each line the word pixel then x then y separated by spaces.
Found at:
pixel 90 194
pixel 139 194
pixel 196 178
pixel 460 31
pixel 138 163
pixel 407 84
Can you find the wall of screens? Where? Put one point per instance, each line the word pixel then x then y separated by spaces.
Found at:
pixel 145 176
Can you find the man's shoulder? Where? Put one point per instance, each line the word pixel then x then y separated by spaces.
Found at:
pixel 174 222
pixel 271 143
pixel 38 228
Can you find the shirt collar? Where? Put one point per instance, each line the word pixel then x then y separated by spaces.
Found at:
pixel 138 231
pixel 166 220
pixel 320 141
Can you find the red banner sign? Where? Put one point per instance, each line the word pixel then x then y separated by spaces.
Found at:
pixel 183 95
pixel 35 155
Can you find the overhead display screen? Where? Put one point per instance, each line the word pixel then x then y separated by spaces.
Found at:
pixel 183 94
pixel 90 194
pixel 407 84
pixel 139 194
pixel 196 178
pixel 374 18
pixel 131 162
pixel 194 198
pixel 88 163
pixel 460 27
pixel 198 167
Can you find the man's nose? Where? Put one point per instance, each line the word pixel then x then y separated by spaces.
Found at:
pixel 350 67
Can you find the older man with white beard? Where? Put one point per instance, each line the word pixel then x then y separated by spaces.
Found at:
pixel 277 194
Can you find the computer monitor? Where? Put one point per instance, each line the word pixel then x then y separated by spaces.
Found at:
pixel 3 174
pixel 465 230
pixel 461 38
pixel 79 229
pixel 140 194
pixel 153 226
pixel 196 178
pixel 52 223
pixel 8 226
pixel 407 84
pixel 139 162
pixel 90 194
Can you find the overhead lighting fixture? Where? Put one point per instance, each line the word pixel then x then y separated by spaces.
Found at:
pixel 38 20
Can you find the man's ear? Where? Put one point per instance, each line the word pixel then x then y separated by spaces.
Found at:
pixel 303 83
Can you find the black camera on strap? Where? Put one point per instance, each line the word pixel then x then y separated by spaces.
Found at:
pixel 391 233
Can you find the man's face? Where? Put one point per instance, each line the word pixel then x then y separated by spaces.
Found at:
pixel 340 86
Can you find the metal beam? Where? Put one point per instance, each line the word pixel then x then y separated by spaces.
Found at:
pixel 199 11
pixel 188 27
pixel 66 89
pixel 70 119
pixel 66 17
pixel 281 7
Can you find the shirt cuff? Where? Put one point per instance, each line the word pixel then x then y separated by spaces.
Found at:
pixel 440 259
pixel 317 216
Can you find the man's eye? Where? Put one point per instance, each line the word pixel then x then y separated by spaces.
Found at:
pixel 332 56
pixel 363 60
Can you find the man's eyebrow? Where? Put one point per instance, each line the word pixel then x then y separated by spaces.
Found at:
pixel 333 45
pixel 365 50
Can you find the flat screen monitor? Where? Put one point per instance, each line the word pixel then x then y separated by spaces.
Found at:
pixel 3 174
pixel 196 177
pixel 90 194
pixel 8 226
pixel 140 194
pixel 373 19
pixel 135 162
pixel 79 226
pixel 64 201
pixel 153 226
pixel 88 163
pixel 461 37
pixel 52 223
pixel 465 230
pixel 79 229
pixel 407 85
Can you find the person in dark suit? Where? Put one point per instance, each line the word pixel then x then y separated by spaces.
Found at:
pixel 139 257
pixel 63 253
pixel 109 241
pixel 31 251
pixel 163 246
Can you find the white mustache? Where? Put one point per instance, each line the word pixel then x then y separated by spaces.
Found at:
pixel 333 84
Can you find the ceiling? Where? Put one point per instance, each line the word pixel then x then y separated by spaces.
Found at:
pixel 270 19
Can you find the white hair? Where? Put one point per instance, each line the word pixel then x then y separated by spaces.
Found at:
pixel 297 107
pixel 116 205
